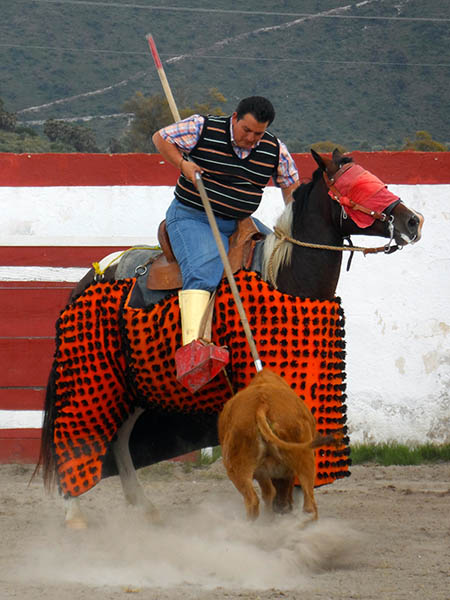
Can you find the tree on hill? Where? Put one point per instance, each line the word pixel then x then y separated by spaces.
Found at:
pixel 17 138
pixel 81 138
pixel 8 120
pixel 328 146
pixel 153 112
pixel 423 142
pixel 62 136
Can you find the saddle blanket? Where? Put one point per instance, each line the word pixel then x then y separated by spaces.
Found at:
pixel 111 358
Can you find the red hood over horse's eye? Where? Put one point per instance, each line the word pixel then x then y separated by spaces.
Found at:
pixel 365 189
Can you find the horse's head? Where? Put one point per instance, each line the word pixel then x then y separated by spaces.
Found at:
pixel 372 209
pixel 303 256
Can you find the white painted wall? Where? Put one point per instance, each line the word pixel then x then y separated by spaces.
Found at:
pixel 82 216
pixel 398 332
pixel 397 306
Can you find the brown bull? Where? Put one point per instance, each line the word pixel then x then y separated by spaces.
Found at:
pixel 267 432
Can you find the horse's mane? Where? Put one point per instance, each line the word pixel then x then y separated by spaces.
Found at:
pixel 284 224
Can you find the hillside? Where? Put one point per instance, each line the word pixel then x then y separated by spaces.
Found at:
pixel 366 75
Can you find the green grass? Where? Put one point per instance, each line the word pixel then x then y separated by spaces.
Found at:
pixel 399 454
pixel 383 454
pixel 205 460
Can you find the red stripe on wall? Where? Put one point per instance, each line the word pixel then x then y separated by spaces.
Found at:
pixel 31 311
pixel 54 256
pixel 149 169
pixel 85 169
pixel 26 433
pixel 22 398
pixel 19 285
pixel 409 168
pixel 25 362
pixel 19 446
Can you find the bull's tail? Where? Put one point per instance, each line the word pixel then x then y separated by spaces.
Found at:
pixel 47 457
pixel 270 437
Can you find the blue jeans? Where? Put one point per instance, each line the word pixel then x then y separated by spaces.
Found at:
pixel 194 245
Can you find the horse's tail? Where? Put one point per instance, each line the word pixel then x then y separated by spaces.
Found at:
pixel 47 457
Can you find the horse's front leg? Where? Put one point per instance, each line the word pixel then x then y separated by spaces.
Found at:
pixel 132 489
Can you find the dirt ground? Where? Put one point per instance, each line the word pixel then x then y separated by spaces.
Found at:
pixel 382 533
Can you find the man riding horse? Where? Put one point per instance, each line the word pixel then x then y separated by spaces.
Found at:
pixel 237 156
pixel 114 401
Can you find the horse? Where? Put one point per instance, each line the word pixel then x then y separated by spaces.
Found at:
pixel 300 259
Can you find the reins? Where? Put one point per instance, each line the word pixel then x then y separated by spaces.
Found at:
pixel 282 237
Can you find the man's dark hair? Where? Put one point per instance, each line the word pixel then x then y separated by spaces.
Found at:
pixel 261 108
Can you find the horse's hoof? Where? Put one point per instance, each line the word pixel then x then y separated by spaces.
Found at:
pixel 76 524
pixel 153 516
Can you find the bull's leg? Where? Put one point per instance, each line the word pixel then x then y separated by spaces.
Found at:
pixel 74 517
pixel 309 503
pixel 244 484
pixel 267 492
pixel 306 475
pixel 132 489
pixel 283 501
pixel 240 459
pixel 241 475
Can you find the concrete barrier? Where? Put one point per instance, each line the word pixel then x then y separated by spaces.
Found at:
pixel 61 212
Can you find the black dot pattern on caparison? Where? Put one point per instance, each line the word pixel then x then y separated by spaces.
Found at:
pixel 111 357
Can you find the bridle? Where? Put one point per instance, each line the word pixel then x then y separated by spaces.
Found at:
pixel 344 201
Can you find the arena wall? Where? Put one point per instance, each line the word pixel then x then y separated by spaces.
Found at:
pixel 62 212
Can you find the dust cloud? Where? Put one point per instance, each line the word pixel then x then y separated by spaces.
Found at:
pixel 208 546
pixel 206 550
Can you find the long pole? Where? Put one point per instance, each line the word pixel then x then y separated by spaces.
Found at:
pixel 209 213
pixel 163 78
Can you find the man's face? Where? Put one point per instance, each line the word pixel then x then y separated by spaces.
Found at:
pixel 247 131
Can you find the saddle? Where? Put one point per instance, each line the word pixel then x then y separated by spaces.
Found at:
pixel 165 272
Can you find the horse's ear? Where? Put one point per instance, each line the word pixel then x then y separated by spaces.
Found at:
pixel 337 157
pixel 319 160
pixel 326 164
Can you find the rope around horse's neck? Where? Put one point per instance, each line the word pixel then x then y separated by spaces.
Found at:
pixel 282 237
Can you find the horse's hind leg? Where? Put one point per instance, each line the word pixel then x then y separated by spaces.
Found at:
pixel 74 517
pixel 132 489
